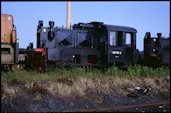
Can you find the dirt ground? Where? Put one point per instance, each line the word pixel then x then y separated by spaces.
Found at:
pixel 83 94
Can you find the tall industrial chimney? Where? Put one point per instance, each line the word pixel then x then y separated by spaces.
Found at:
pixel 69 14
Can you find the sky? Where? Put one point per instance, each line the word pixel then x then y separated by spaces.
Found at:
pixel 144 16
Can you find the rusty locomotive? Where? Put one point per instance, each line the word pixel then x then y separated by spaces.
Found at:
pixel 9 45
pixel 91 44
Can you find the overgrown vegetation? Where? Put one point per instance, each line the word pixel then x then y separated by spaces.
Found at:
pixel 75 72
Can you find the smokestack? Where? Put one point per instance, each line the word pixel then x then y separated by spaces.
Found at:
pixel 69 14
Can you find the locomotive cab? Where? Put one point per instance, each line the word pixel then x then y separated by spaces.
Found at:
pixel 116 44
pixel 121 45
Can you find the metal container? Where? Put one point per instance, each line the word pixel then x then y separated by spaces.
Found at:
pixel 6 28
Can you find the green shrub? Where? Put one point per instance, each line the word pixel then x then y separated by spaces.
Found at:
pixel 134 71
pixel 114 72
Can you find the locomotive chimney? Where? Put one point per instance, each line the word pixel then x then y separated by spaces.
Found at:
pixel 159 35
pixel 69 14
pixel 148 35
pixel 51 24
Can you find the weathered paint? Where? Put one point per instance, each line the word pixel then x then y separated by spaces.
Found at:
pixel 6 28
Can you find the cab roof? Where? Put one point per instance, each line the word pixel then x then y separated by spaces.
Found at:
pixel 120 28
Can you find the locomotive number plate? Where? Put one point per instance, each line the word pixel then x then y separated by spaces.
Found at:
pixel 117 52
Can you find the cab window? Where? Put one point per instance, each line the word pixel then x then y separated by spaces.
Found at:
pixel 112 38
pixel 128 39
pixel 115 38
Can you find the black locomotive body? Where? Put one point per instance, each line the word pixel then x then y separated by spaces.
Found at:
pixel 87 44
pixel 156 50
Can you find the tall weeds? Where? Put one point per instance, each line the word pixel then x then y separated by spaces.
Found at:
pixel 88 72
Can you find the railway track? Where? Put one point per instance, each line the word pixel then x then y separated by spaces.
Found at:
pixel 122 107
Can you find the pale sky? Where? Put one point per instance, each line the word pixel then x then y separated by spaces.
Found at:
pixel 145 16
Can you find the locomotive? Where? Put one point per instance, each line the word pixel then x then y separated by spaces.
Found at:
pixel 9 45
pixel 86 44
pixel 156 50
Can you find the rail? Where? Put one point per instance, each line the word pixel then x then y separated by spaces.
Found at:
pixel 112 108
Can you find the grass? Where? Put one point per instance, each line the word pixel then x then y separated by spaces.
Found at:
pixel 76 72
pixel 77 81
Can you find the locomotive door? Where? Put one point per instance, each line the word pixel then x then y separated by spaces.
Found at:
pixel 115 47
pixel 128 48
